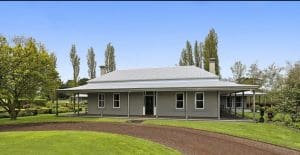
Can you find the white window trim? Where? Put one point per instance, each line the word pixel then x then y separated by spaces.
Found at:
pixel 179 100
pixel 103 100
pixel 199 100
pixel 116 100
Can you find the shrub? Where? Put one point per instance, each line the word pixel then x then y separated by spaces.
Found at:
pixel 44 111
pixel 288 120
pixel 278 117
pixel 40 102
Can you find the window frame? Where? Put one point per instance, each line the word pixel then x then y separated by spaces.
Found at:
pixel 113 96
pixel 230 99
pixel 203 100
pixel 183 99
pixel 101 100
pixel 235 101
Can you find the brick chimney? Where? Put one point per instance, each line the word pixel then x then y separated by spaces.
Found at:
pixel 103 70
pixel 212 65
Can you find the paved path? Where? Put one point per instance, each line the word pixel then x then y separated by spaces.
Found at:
pixel 188 141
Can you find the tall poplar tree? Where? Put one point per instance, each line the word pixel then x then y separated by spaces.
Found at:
pixel 75 60
pixel 110 62
pixel 198 54
pixel 189 53
pixel 210 50
pixel 183 58
pixel 91 62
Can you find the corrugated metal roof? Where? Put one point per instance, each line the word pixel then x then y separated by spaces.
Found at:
pixel 169 78
pixel 166 73
pixel 212 84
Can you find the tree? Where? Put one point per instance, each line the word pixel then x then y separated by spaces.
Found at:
pixel 255 74
pixel 290 92
pixel 25 70
pixel 272 77
pixel 183 58
pixel 189 54
pixel 91 63
pixel 83 81
pixel 210 50
pixel 75 60
pixel 53 81
pixel 110 62
pixel 196 54
pixel 238 70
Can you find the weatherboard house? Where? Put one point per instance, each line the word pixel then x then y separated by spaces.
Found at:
pixel 180 91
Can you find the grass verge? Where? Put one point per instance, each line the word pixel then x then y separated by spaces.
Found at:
pixel 53 118
pixel 265 132
pixel 76 142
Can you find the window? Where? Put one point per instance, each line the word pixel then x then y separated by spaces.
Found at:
pixel 179 100
pixel 101 100
pixel 228 102
pixel 116 100
pixel 199 100
pixel 238 101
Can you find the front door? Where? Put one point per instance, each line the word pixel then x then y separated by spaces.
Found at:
pixel 149 105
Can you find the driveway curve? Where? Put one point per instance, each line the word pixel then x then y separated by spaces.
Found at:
pixel 187 141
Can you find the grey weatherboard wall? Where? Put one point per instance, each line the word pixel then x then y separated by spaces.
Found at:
pixel 166 104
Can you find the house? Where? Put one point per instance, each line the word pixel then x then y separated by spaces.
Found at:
pixel 180 91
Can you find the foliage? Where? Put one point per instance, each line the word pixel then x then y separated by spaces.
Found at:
pixel 272 77
pixel 210 50
pixel 75 60
pixel 110 62
pixel 187 57
pixel 189 53
pixel 255 74
pixel 238 70
pixel 26 70
pixel 82 81
pixel 91 63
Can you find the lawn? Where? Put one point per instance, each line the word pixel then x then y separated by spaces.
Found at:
pixel 265 132
pixel 75 142
pixel 53 118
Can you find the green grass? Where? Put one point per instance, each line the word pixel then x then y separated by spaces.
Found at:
pixel 264 132
pixel 76 142
pixel 53 118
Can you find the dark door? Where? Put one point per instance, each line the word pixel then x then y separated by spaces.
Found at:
pixel 149 105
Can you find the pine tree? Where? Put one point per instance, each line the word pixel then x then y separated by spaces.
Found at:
pixel 110 62
pixel 210 50
pixel 91 63
pixel 75 60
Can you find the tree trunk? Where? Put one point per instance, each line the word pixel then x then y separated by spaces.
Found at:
pixel 13 114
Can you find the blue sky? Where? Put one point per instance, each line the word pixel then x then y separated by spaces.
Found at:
pixel 152 34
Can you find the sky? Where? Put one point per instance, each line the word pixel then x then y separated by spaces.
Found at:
pixel 153 34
